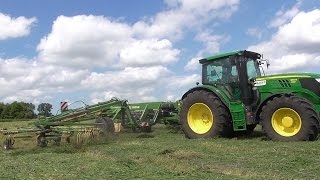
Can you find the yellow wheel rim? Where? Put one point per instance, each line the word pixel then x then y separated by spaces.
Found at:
pixel 200 118
pixel 286 122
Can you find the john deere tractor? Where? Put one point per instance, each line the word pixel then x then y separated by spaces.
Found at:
pixel 234 98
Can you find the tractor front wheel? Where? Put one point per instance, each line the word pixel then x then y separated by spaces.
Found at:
pixel 290 118
pixel 203 115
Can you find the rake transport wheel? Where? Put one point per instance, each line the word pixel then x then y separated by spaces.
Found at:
pixel 290 118
pixel 57 140
pixel 8 144
pixel 107 126
pixel 42 141
pixel 203 115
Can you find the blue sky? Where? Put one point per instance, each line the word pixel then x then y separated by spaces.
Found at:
pixel 142 50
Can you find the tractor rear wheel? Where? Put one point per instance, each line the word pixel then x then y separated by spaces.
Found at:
pixel 203 115
pixel 290 118
pixel 106 125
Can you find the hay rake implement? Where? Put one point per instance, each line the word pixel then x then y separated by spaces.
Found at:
pixel 90 122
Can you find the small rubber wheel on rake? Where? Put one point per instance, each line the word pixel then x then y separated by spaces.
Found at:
pixel 42 141
pixel 8 144
pixel 68 139
pixel 57 140
pixel 106 125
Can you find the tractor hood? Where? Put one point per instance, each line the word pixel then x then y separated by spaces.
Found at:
pixel 289 76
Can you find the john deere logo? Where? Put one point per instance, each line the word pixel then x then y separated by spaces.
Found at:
pixel 260 83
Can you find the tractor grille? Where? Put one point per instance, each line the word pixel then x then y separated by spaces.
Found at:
pixel 284 83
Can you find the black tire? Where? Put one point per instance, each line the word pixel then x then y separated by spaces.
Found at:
pixel 42 141
pixel 68 139
pixel 8 144
pixel 57 140
pixel 221 126
pixel 309 118
pixel 107 126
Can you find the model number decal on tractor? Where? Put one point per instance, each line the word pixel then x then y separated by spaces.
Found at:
pixel 260 83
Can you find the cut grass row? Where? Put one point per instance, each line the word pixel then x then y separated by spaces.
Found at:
pixel 165 154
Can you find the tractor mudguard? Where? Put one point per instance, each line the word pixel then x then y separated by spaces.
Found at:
pixel 225 100
pixel 263 102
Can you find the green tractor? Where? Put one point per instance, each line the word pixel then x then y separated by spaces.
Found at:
pixel 234 97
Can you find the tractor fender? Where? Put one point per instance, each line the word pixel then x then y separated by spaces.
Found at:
pixel 259 109
pixel 224 99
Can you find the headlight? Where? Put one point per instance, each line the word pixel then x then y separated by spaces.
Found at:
pixel 318 79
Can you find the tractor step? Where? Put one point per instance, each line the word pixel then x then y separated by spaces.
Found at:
pixel 238 116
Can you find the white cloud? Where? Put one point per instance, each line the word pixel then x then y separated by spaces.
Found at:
pixel 134 96
pixel 184 81
pixel 254 32
pixel 283 17
pixel 184 15
pixel 139 84
pixel 193 64
pixel 14 75
pixel 109 57
pixel 88 41
pixel 212 42
pixel 128 79
pixel 148 52
pixel 26 96
pixel 178 85
pixel 295 46
pixel 84 41
pixel 133 83
pixel 12 27
pixel 27 79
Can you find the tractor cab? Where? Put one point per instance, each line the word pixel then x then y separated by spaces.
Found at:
pixel 233 73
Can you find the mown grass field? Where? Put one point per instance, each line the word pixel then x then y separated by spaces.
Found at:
pixel 163 154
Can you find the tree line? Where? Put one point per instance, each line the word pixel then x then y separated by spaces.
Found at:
pixel 23 110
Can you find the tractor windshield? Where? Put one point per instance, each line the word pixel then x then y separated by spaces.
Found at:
pixel 224 71
pixel 220 72
pixel 253 68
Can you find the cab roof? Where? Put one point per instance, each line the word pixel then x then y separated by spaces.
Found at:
pixel 245 53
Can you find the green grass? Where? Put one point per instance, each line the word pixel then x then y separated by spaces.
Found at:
pixel 15 120
pixel 16 124
pixel 165 154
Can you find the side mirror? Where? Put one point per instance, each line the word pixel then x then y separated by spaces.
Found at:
pixel 264 61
